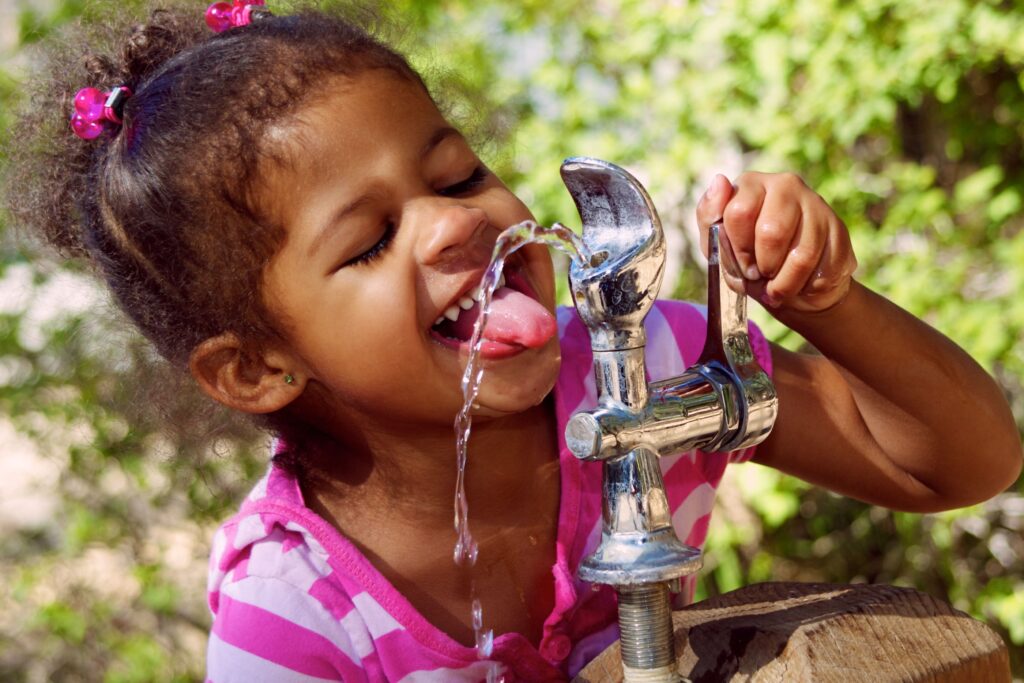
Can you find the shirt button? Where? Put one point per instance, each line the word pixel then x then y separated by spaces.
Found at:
pixel 556 648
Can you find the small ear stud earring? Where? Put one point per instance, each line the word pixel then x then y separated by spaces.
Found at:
pixel 288 379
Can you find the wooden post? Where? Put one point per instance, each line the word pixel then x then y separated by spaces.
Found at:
pixel 806 632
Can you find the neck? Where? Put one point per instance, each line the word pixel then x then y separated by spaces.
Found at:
pixel 390 473
pixel 393 498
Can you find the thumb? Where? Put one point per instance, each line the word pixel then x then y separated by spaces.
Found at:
pixel 712 203
pixel 711 206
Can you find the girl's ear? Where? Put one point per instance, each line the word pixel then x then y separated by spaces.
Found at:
pixel 252 382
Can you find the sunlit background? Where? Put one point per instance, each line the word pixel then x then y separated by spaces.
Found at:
pixel 908 116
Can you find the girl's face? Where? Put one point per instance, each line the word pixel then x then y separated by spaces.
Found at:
pixel 390 219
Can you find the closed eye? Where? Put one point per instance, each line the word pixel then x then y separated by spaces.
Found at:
pixel 375 251
pixel 467 185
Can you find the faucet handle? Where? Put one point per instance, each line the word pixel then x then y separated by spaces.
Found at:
pixel 728 358
pixel 727 301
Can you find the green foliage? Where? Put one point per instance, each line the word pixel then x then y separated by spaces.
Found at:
pixel 34 25
pixel 63 622
pixel 908 117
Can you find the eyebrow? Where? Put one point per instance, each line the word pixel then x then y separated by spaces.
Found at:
pixel 439 135
pixel 338 216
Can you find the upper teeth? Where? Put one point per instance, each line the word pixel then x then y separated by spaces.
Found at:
pixel 466 301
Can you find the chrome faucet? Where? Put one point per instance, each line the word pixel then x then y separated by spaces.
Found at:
pixel 724 402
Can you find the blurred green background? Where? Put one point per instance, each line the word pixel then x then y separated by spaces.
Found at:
pixel 908 116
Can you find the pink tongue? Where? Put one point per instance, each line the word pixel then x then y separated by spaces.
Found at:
pixel 517 319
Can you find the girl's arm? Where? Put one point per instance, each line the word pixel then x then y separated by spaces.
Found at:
pixel 892 413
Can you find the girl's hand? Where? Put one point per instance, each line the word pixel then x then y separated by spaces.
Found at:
pixel 794 251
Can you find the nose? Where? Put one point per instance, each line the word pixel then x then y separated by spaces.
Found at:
pixel 445 228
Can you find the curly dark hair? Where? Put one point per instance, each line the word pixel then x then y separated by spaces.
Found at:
pixel 166 207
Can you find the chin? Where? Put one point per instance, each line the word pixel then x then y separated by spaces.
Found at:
pixel 517 389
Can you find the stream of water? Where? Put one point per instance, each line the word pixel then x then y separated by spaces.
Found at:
pixel 512 239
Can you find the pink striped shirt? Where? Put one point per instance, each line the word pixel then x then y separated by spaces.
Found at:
pixel 293 600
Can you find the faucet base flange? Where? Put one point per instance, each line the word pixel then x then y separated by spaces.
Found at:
pixel 625 560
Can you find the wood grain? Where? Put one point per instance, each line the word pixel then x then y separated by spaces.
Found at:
pixel 804 632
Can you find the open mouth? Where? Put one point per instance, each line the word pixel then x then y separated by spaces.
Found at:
pixel 517 320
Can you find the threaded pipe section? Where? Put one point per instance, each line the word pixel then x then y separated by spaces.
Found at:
pixel 645 625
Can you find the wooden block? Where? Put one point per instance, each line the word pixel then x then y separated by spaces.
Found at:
pixel 806 632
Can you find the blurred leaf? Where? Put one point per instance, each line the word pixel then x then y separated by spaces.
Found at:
pixel 63 621
pixel 977 187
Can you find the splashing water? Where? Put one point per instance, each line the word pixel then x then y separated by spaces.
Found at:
pixel 509 241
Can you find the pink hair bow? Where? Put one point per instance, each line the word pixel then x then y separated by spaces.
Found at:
pixel 95 109
pixel 220 16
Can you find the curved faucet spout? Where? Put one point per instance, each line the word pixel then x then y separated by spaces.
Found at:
pixel 621 229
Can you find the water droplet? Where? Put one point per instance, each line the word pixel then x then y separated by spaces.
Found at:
pixel 484 643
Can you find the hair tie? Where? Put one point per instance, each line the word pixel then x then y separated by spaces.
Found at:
pixel 220 16
pixel 95 110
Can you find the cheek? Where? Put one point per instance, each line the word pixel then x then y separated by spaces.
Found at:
pixel 372 369
pixel 357 326
pixel 375 326
pixel 507 209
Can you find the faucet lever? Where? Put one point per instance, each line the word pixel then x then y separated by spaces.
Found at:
pixel 727 358
pixel 727 303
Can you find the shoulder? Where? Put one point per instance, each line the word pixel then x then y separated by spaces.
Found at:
pixel 267 538
pixel 278 611
pixel 276 614
pixel 292 598
pixel 269 628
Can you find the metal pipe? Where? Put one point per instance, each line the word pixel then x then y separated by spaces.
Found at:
pixel 645 625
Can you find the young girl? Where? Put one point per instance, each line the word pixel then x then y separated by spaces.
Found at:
pixel 282 209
